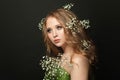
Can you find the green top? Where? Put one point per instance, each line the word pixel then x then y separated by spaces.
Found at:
pixel 62 74
pixel 53 71
pixel 59 74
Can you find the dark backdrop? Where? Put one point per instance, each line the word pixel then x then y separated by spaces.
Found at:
pixel 22 43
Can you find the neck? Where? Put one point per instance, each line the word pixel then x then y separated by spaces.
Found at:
pixel 68 50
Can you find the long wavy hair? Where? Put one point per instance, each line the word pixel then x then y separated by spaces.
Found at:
pixel 73 39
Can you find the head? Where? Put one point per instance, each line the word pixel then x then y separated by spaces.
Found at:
pixel 55 32
pixel 55 27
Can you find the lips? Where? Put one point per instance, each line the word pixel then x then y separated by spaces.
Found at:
pixel 57 40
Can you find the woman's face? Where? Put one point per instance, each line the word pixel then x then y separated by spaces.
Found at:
pixel 55 32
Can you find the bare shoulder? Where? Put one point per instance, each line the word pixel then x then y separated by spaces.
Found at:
pixel 80 60
pixel 80 68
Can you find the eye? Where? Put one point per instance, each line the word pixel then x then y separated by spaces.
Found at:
pixel 49 30
pixel 59 27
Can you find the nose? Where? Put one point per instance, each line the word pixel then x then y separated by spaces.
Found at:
pixel 55 34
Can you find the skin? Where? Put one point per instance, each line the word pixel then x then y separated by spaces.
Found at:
pixel 80 64
pixel 55 32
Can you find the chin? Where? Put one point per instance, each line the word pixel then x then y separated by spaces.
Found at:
pixel 59 45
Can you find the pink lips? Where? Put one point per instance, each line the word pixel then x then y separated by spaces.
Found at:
pixel 57 40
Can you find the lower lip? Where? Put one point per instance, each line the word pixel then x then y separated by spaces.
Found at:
pixel 57 41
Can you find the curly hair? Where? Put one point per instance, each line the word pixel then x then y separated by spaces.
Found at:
pixel 73 39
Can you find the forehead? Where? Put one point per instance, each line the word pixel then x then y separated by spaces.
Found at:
pixel 51 21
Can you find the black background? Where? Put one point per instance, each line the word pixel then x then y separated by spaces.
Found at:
pixel 22 43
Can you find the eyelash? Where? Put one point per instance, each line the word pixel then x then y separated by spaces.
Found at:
pixel 48 30
pixel 58 27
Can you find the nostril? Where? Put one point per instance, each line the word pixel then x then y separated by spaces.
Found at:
pixel 54 34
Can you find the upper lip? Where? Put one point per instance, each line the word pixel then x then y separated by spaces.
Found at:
pixel 56 40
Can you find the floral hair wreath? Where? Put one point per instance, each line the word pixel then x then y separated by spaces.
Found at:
pixel 84 23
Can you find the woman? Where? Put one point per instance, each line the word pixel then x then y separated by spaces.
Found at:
pixel 70 51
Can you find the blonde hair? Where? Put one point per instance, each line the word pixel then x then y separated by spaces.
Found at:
pixel 73 38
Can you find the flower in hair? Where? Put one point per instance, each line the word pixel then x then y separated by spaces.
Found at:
pixel 72 23
pixel 68 6
pixel 40 25
pixel 85 24
pixel 85 44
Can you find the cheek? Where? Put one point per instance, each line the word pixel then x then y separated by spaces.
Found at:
pixel 50 36
pixel 63 36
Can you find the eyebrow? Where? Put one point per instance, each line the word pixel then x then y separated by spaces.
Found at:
pixel 55 25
